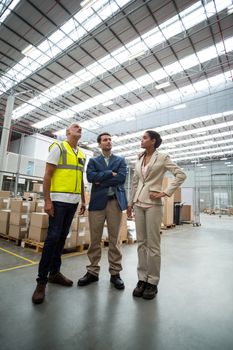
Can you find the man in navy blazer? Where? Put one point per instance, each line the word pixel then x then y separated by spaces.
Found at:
pixel 107 173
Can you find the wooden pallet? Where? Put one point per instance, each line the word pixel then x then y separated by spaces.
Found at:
pixel 132 240
pixel 105 242
pixel 166 227
pixel 38 246
pixel 9 238
pixel 79 248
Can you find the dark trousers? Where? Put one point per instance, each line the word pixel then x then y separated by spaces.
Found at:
pixel 59 226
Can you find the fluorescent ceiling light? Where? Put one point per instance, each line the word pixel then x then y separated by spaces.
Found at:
pixel 87 3
pixel 230 10
pixel 181 106
pixel 230 165
pixel 107 103
pixel 162 85
pixel 136 54
pixel 223 158
pixel 227 163
pixel 203 167
pixel 27 50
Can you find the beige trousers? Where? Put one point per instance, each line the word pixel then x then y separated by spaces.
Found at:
pixel 148 222
pixel 112 214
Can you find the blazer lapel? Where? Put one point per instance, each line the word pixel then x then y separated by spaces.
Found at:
pixel 111 160
pixel 152 161
pixel 102 161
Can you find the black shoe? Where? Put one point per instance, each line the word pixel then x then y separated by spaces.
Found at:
pixel 150 291
pixel 140 287
pixel 87 279
pixel 117 281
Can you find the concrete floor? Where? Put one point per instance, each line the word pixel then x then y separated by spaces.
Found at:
pixel 193 309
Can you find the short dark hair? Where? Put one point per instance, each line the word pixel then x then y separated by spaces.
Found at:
pixel 102 134
pixel 154 135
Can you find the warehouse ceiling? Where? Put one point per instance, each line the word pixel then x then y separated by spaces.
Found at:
pixel 122 66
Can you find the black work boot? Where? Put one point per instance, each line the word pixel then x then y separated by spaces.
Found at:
pixel 140 287
pixel 150 291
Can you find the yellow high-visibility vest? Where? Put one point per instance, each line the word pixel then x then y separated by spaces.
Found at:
pixel 68 174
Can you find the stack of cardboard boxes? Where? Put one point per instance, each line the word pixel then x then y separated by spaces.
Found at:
pixel 38 226
pixel 20 217
pixel 4 221
pixel 168 210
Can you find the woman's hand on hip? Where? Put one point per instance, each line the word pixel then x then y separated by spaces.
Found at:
pixel 157 195
pixel 130 211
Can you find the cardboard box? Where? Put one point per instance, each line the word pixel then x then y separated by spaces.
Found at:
pixel 5 194
pixel 123 235
pixel 4 227
pixel 5 215
pixel 83 238
pixel 20 206
pixel 74 224
pixel 39 220
pixel 186 213
pixel 177 195
pixel 17 231
pixel 37 234
pixel 40 207
pixel 5 203
pixel 37 187
pixel 168 211
pixel 30 195
pixel 71 240
pixel 83 225
pixel 19 219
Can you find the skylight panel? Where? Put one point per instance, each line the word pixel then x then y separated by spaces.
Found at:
pixel 153 37
pixel 207 54
pixel 159 74
pixel 65 42
pixel 218 79
pixel 45 122
pixel 229 44
pixel 68 27
pixel 201 85
pixel 96 69
pixel 133 85
pixel 121 55
pixel 108 11
pixel 173 68
pixel 7 12
pixel 111 94
pixel 222 4
pixel 173 28
pixel 193 18
pixel 189 61
pixel 108 62
pixel 145 80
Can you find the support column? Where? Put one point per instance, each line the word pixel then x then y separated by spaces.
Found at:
pixel 5 135
pixel 18 165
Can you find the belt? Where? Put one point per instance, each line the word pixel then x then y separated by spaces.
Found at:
pixel 110 198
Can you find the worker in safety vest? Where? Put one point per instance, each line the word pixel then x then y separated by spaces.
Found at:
pixel 63 188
